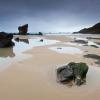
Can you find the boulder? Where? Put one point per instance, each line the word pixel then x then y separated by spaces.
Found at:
pixel 64 74
pixel 23 29
pixel 73 72
pixel 79 72
pixel 6 40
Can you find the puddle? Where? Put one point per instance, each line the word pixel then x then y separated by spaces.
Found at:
pixel 73 44
pixel 14 54
pixel 22 46
pixel 83 42
pixel 66 50
pixel 6 62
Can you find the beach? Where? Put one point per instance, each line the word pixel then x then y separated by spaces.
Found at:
pixel 31 73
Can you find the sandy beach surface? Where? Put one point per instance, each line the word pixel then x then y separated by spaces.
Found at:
pixel 34 76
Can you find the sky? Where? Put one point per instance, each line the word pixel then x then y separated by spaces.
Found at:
pixel 49 15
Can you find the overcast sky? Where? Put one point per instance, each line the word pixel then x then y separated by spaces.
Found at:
pixel 48 15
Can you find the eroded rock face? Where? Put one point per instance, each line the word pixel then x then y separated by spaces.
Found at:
pixel 95 29
pixel 23 29
pixel 6 40
pixel 73 72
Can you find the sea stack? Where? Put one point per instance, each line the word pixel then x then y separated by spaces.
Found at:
pixel 23 29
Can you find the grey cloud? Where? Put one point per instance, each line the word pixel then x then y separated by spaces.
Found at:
pixel 48 15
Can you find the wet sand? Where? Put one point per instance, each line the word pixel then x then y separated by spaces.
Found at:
pixel 34 78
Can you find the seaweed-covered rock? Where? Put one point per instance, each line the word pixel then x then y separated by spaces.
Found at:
pixel 79 72
pixel 73 71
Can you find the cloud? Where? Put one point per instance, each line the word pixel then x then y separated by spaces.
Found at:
pixel 48 15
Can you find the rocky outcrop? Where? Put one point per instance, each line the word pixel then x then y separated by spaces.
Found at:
pixel 22 40
pixel 92 30
pixel 73 71
pixel 81 40
pixel 93 56
pixel 23 29
pixel 6 40
pixel 40 33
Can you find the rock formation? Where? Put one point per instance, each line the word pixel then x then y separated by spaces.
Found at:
pixel 92 30
pixel 73 71
pixel 22 40
pixel 40 33
pixel 23 29
pixel 6 40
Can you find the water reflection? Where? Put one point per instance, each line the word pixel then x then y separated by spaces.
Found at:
pixel 6 52
pixel 22 40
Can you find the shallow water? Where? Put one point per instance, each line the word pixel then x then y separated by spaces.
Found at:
pixel 22 46
pixel 67 50
pixel 13 54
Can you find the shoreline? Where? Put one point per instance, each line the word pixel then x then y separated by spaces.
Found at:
pixel 35 77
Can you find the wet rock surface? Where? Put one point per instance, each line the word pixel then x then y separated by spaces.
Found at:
pixel 93 56
pixel 6 40
pixel 72 72
pixel 23 29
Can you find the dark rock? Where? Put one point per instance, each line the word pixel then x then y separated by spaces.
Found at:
pixel 92 30
pixel 6 40
pixel 72 71
pixel 41 40
pixel 81 41
pixel 93 56
pixel 23 29
pixel 93 38
pixel 94 46
pixel 17 39
pixel 79 72
pixel 22 40
pixel 40 33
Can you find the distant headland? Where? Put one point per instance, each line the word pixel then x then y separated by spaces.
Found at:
pixel 95 29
